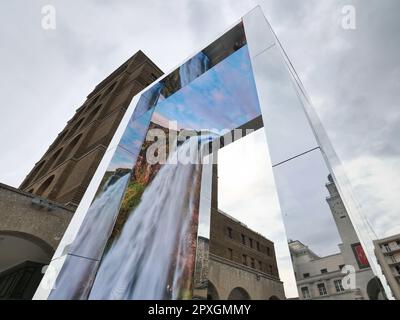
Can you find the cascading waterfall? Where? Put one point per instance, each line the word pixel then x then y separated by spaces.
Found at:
pixel 193 68
pixel 100 219
pixel 147 260
pixel 90 241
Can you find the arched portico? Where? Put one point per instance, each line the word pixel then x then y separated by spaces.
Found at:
pixel 239 293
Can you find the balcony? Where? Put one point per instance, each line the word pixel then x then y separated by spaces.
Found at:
pixel 392 250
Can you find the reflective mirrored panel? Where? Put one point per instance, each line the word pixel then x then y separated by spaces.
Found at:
pixel 193 201
pixel 315 197
pixel 248 254
pixel 287 128
pixel 328 258
pixel 155 194
pixel 82 281
pixel 258 34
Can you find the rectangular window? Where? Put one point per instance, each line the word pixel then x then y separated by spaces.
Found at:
pixel 387 248
pixel 230 232
pixel 338 285
pixel 253 264
pixel 258 246
pixel 268 251
pixel 305 292
pixel 324 271
pixel 270 269
pixel 322 289
pixel 306 275
pixel 243 239
pixel 245 259
pixel 230 253
pixel 260 265
pixel 251 242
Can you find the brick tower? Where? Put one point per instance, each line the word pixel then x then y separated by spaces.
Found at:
pixel 65 170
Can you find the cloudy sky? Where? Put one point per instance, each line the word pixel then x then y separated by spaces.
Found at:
pixel 352 76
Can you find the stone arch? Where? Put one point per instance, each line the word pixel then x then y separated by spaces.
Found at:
pixel 41 243
pixel 68 150
pixel 45 185
pixel 375 290
pixel 50 163
pixel 110 88
pixel 59 139
pixel 77 125
pixel 34 173
pixel 54 157
pixel 23 257
pixel 93 114
pixel 212 292
pixel 239 293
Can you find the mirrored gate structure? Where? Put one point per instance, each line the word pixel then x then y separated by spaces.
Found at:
pixel 142 230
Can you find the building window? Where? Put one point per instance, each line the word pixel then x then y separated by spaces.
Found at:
pixel 251 242
pixel 398 242
pixel 230 253
pixel 324 271
pixel 260 265
pixel 76 127
pixel 230 232
pixel 243 239
pixel 258 246
pixel 305 292
pixel 245 259
pixel 387 248
pixel 306 275
pixel 338 285
pixel 270 269
pixel 253 264
pixel 268 251
pixel 93 114
pixel 44 186
pixel 397 269
pixel 322 289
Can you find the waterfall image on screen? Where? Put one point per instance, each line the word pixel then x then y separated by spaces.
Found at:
pixel 151 257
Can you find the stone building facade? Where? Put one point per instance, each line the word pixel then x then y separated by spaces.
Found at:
pixel 387 252
pixel 320 278
pixel 34 217
pixel 232 240
pixel 242 263
pixel 65 170
pixel 30 230
pixel 236 263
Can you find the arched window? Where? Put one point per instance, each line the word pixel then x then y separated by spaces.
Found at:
pixel 67 153
pixel 50 162
pixel 37 169
pixel 93 102
pixel 239 293
pixel 93 114
pixel 59 139
pixel 54 157
pixel 110 89
pixel 76 126
pixel 33 174
pixel 45 185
